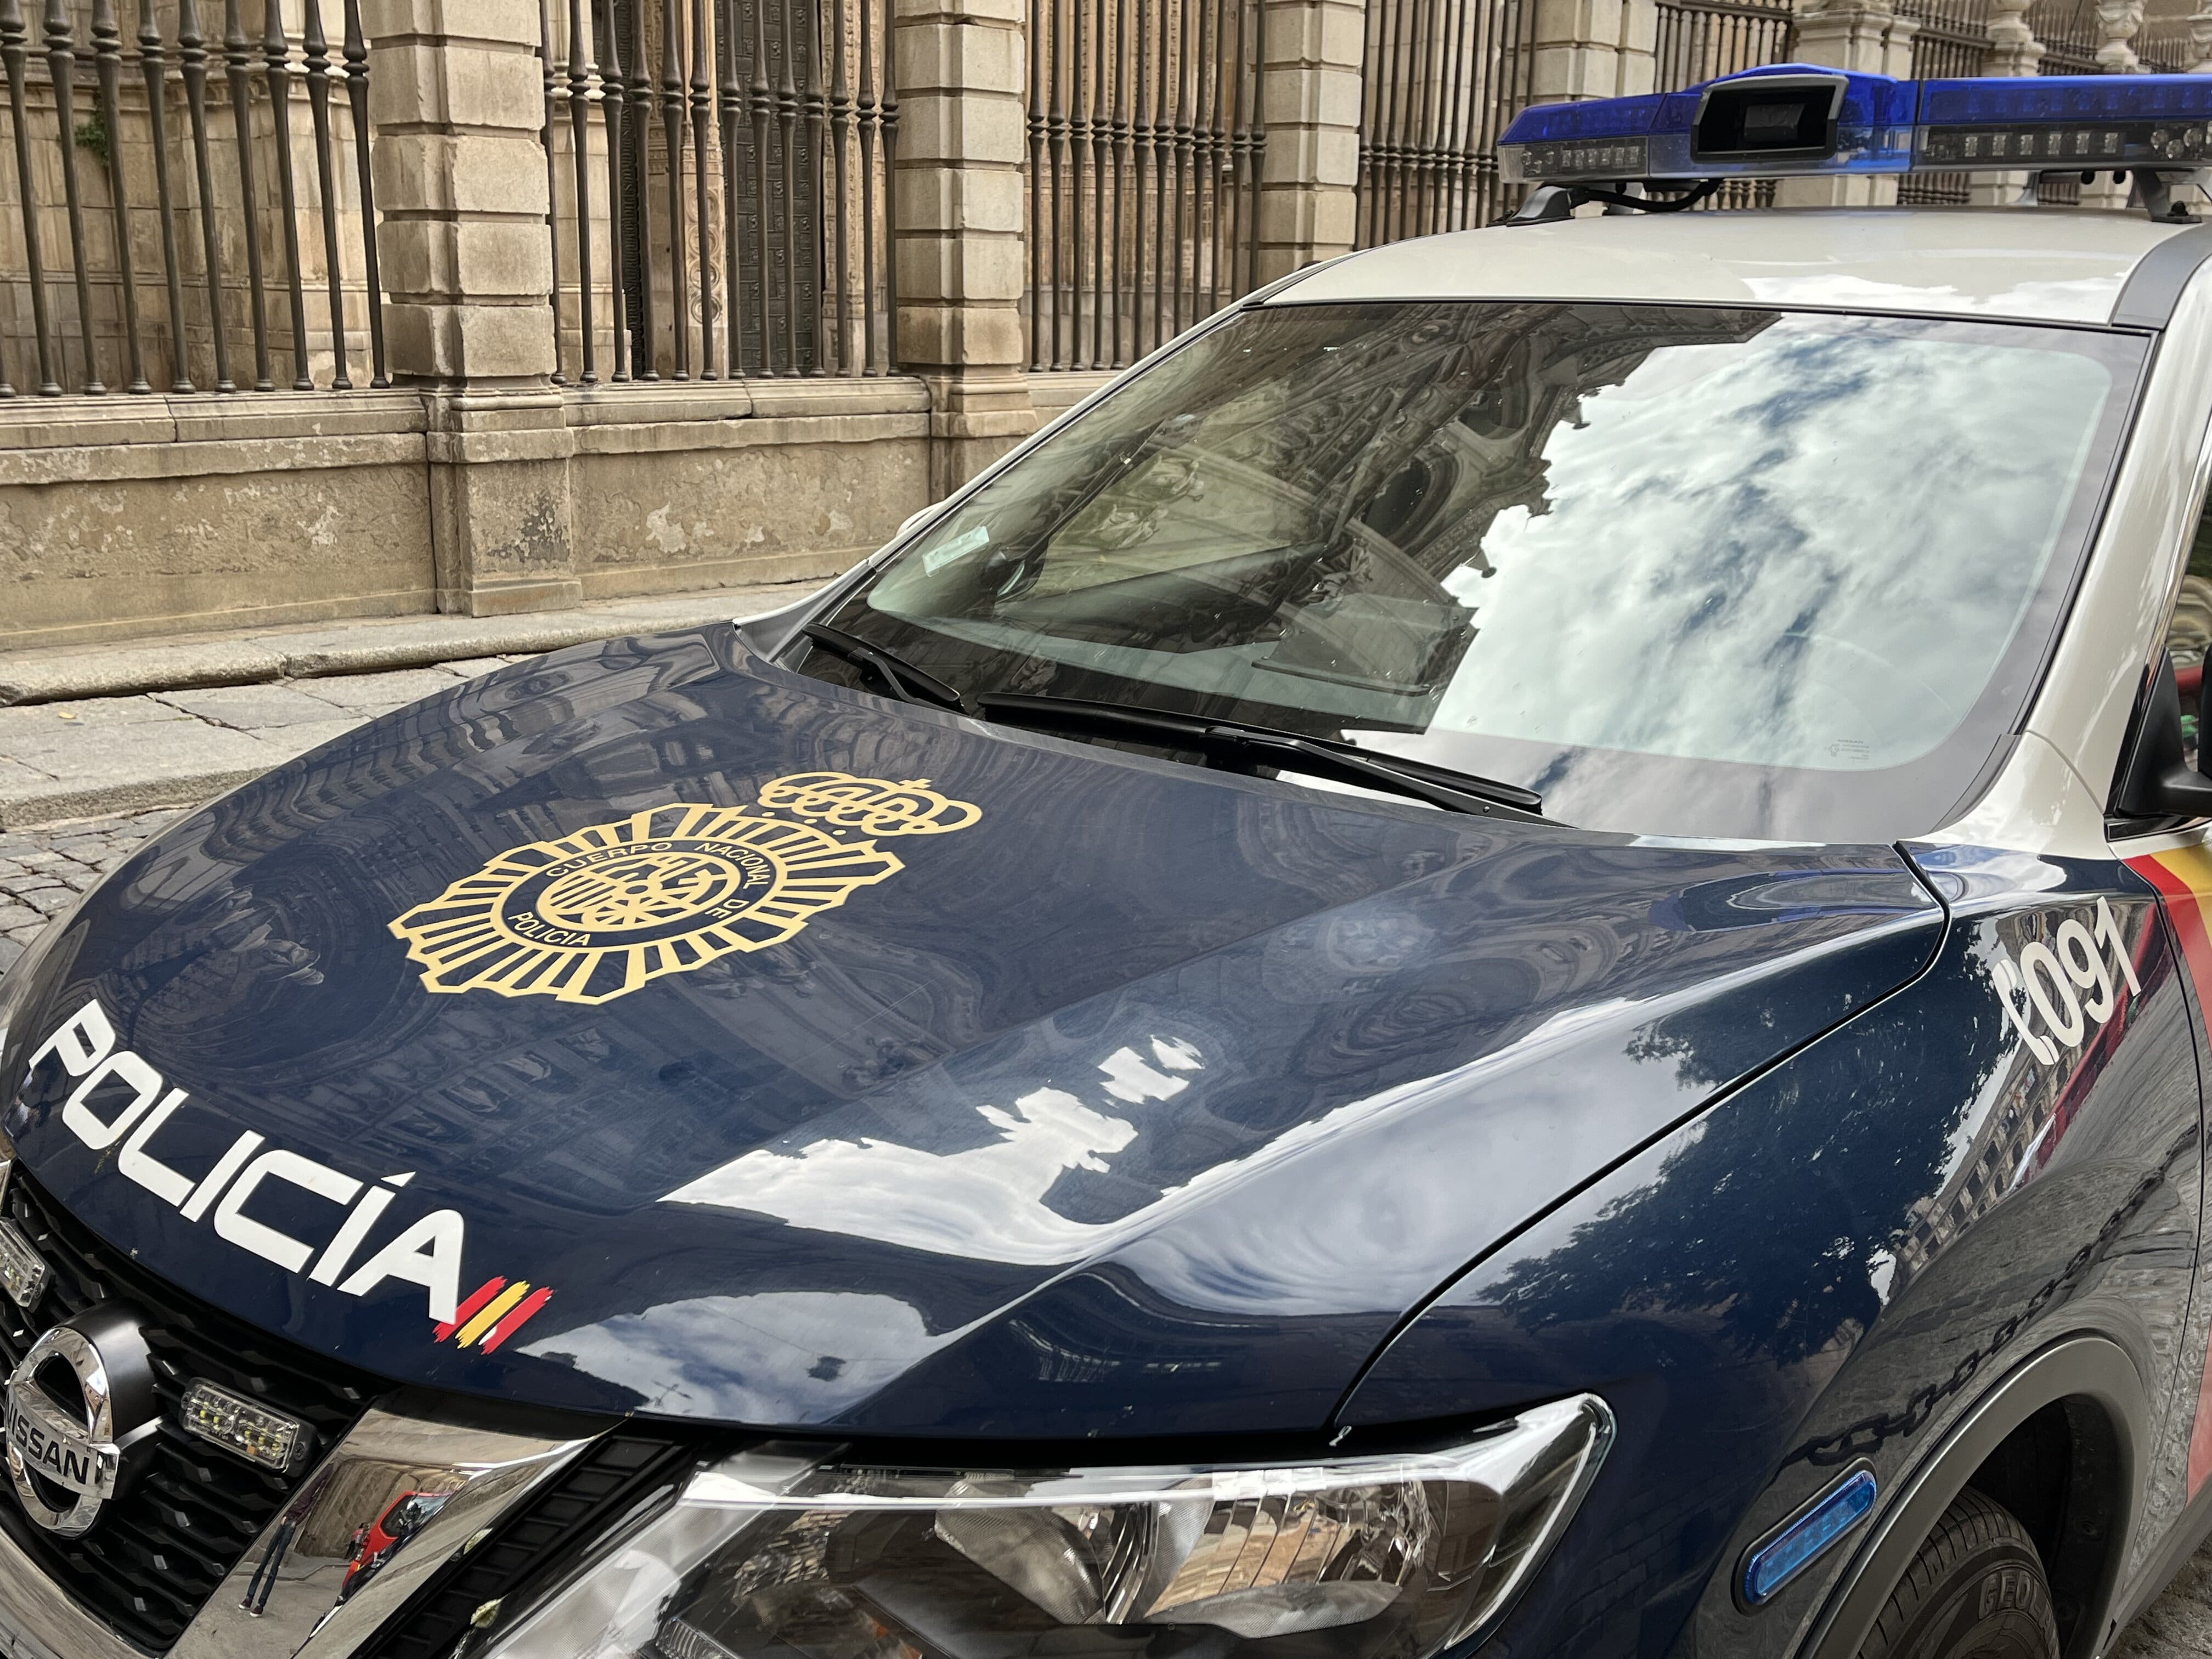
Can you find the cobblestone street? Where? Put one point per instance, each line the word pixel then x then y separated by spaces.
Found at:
pixel 42 870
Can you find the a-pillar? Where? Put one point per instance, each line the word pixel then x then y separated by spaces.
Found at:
pixel 457 91
pixel 960 253
pixel 1309 94
pixel 1866 35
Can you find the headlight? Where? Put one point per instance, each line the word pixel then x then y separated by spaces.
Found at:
pixel 771 1553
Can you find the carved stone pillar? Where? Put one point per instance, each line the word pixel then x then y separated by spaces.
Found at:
pixel 2118 23
pixel 2200 40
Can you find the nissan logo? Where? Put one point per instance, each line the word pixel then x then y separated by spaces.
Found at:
pixel 82 1414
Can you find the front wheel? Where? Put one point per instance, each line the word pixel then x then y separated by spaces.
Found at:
pixel 1975 1591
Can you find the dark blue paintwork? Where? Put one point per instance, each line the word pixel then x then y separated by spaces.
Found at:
pixel 1165 1103
pixel 1837 1261
pixel 1149 1105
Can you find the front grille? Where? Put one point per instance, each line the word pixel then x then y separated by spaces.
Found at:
pixel 160 1550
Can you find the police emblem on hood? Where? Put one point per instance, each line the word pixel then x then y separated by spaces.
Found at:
pixel 600 912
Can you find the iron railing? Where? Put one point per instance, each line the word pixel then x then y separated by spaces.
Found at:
pixel 2070 35
pixel 2068 30
pixel 1443 80
pixel 1952 39
pixel 720 174
pixel 180 157
pixel 2166 53
pixel 1698 40
pixel 1145 150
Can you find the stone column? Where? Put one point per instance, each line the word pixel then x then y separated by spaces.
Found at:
pixel 2118 23
pixel 456 93
pixel 960 76
pixel 1309 93
pixel 2200 40
pixel 1866 35
pixel 1593 49
pixel 2013 50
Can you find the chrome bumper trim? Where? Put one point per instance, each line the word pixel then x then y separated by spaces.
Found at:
pixel 309 1587
pixel 315 1585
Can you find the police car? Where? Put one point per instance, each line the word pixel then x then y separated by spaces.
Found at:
pixel 1511 955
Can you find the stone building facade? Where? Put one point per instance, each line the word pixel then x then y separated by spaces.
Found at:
pixel 529 422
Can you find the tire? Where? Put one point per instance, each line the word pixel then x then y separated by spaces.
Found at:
pixel 1975 1591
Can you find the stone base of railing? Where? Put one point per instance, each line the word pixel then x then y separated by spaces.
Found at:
pixel 132 518
pixel 127 518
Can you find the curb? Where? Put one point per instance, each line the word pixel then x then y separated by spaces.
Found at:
pixel 365 648
pixel 28 811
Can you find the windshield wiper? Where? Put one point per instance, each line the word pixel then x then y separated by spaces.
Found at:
pixel 1286 751
pixel 898 676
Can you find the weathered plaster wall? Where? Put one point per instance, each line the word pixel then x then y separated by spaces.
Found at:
pixel 751 483
pixel 126 519
pixel 150 515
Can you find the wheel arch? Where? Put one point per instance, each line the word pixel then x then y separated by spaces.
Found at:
pixel 2094 1383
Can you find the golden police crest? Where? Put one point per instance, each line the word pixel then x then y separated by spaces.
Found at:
pixel 595 914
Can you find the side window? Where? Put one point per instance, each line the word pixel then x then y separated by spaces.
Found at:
pixel 2188 634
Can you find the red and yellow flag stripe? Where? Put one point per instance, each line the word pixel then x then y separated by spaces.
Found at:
pixel 496 1312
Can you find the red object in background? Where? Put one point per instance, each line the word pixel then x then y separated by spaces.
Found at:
pixel 2190 680
pixel 378 1542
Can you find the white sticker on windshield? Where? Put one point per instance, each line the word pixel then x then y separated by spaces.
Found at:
pixel 936 558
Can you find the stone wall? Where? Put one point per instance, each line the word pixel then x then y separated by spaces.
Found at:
pixel 121 519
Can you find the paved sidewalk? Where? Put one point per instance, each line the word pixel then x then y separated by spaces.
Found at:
pixel 184 742
pixel 103 755
pixel 42 870
pixel 363 646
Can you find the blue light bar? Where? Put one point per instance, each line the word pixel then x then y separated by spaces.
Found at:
pixel 1802 120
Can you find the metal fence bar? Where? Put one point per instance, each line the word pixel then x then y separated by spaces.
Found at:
pixel 12 53
pixel 61 63
pixel 110 168
pixel 107 54
pixel 192 54
pixel 356 59
pixel 580 69
pixel 318 58
pixel 613 98
pixel 277 51
pixel 781 103
pixel 153 63
pixel 1143 139
pixel 237 56
pixel 1443 78
pixel 671 135
pixel 552 85
pixel 700 107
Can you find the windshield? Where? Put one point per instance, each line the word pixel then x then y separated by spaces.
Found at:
pixel 1681 570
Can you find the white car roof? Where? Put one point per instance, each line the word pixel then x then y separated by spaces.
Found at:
pixel 2037 264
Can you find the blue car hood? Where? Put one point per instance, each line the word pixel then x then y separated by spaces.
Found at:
pixel 1066 1092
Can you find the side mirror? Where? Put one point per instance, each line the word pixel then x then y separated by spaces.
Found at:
pixel 2156 779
